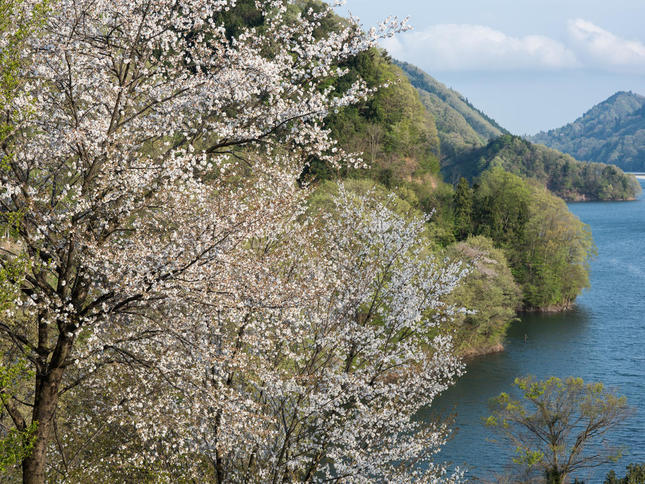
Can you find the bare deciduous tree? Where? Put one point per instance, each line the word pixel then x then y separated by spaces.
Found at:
pixel 559 425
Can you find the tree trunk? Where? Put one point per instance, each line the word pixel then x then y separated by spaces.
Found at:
pixel 45 403
pixel 554 476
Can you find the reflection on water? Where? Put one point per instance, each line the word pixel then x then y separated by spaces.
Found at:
pixel 600 340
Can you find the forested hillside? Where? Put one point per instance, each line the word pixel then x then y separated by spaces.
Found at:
pixel 394 132
pixel 547 247
pixel 560 173
pixel 610 132
pixel 461 126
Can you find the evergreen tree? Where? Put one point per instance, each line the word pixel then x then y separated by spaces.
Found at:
pixel 463 210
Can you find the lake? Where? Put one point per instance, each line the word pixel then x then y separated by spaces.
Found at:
pixel 602 339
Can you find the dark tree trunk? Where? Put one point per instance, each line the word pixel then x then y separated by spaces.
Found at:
pixel 45 403
pixel 554 476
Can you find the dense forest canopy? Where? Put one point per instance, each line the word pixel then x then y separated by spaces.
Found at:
pixel 560 173
pixel 394 132
pixel 489 293
pixel 548 248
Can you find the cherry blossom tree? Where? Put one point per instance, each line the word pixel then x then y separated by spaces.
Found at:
pixel 308 362
pixel 174 292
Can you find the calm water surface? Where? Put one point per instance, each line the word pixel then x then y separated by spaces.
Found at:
pixel 602 339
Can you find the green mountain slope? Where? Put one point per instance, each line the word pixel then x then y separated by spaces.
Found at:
pixel 560 173
pixel 472 142
pixel 461 126
pixel 611 132
pixel 392 129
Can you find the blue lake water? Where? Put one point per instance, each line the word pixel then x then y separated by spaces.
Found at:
pixel 602 339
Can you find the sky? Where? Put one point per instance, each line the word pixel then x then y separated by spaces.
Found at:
pixel 532 65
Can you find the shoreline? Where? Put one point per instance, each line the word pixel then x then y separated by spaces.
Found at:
pixel 476 352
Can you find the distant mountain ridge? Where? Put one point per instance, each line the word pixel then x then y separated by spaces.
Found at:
pixel 610 132
pixel 471 142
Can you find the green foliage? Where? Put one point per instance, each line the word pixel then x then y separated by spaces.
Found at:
pixel 435 197
pixel 15 446
pixel 396 136
pixel 16 24
pixel 398 140
pixel 560 173
pixel 489 294
pixel 527 457
pixel 611 132
pixel 502 207
pixel 393 131
pixel 553 258
pixel 635 475
pixel 244 14
pixel 12 274
pixel 16 443
pixel 555 422
pixel 463 201
pixel 548 248
pixel 10 376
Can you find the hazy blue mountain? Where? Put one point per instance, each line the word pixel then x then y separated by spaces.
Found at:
pixel 610 132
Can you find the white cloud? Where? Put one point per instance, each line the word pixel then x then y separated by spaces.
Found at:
pixel 452 47
pixel 465 47
pixel 600 48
